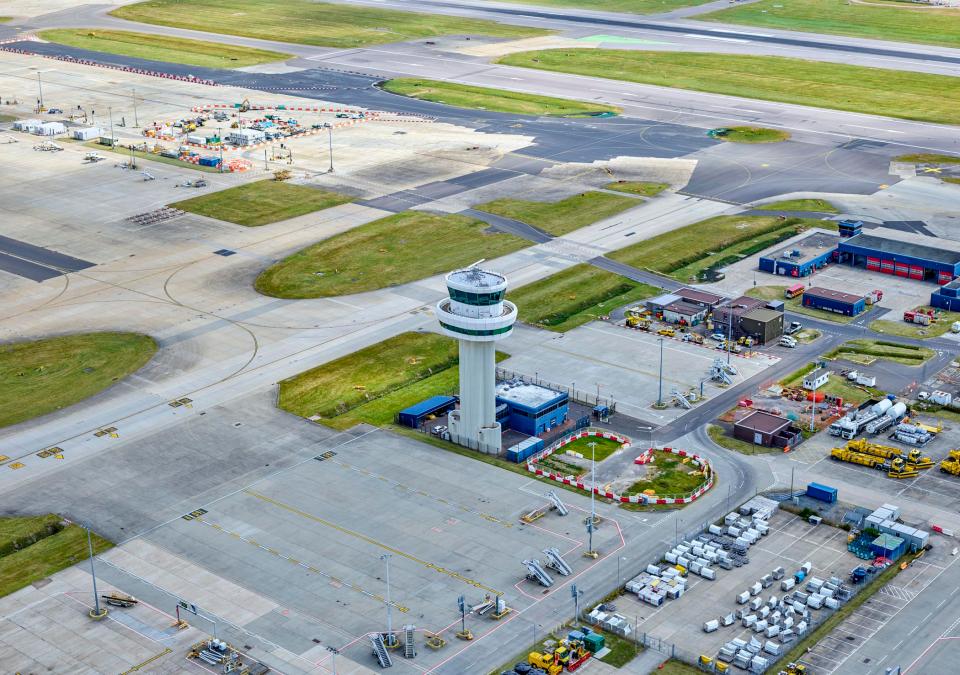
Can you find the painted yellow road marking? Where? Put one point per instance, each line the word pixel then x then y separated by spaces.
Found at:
pixel 147 662
pixel 370 540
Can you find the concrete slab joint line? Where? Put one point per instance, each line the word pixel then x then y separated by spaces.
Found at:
pixel 624 499
pixel 374 542
pixel 294 561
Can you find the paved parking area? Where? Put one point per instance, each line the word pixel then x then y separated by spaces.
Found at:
pixel 297 559
pixel 790 543
pixel 931 486
pixel 621 363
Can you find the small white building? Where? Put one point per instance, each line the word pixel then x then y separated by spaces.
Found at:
pixel 246 137
pixel 51 129
pixel 816 378
pixel 29 126
pixel 87 133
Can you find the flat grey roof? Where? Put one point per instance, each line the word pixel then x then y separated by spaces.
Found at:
pixel 763 314
pixel 686 308
pixel 895 246
pixel 696 295
pixel 529 395
pixel 831 294
pixel 664 300
pixel 810 247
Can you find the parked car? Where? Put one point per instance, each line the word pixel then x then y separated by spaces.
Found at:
pixel 719 337
pixel 794 327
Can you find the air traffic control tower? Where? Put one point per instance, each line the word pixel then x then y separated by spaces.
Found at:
pixel 477 315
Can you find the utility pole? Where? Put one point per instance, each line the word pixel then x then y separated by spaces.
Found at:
pixel 576 593
pixel 813 408
pixel 266 167
pixel 136 120
pixel 593 496
pixel 96 612
pixel 660 378
pixel 330 145
pixel 792 468
pixel 112 143
pixel 391 639
pixel 729 333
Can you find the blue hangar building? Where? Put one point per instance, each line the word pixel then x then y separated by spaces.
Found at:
pixel 802 258
pixel 532 409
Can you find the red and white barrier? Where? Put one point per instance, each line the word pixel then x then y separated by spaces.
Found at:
pixel 624 499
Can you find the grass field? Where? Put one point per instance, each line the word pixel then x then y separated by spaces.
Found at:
pixel 341 385
pixel 913 330
pixel 564 216
pixel 900 22
pixel 7 118
pixel 41 376
pixel 576 296
pixel 312 23
pixel 820 205
pixel 876 91
pixel 261 202
pixel 642 188
pixel 928 158
pixel 688 252
pixel 604 448
pixel 835 386
pixel 669 476
pixel 393 250
pixel 754 135
pixel 720 437
pixel 795 305
pixel 497 100
pixel 34 547
pixel 629 6
pixel 910 355
pixel 162 48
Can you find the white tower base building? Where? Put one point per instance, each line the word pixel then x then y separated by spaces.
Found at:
pixel 478 317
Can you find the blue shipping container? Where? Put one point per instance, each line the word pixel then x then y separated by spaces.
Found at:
pixel 209 161
pixel 524 449
pixel 824 493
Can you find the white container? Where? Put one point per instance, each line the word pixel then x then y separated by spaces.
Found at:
pixel 683 560
pixel 787 584
pixel 778 573
pixel 772 602
pixel 826 592
pixel 801 628
pixel 788 622
pixel 653 569
pixel 743 598
pixel 749 620
pixel 756 603
pixel 197 139
pixel 760 626
pixel 771 647
pixel 733 531
pixel 764 612
pixel 695 567
pixel 86 133
pixel 755 589
pixel 671 557
pixel 772 631
pixel 806 567
pixel 766 580
pixel 727 620
pixel 715 529
pixel 815 601
pixel 831 603
pixel 708 574
pixel 730 518
pixel 711 626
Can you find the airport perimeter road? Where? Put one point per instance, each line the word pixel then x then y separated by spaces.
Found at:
pixel 922 637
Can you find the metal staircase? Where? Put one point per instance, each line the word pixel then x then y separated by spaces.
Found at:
pixel 380 650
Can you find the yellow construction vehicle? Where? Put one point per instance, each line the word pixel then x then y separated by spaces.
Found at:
pixel 900 469
pixel 918 461
pixel 866 447
pixel 795 669
pixel 638 322
pixel 667 332
pixel 951 464
pixel 245 106
pixel 844 455
pixel 544 661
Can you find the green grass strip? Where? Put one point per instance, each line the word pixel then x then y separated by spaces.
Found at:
pixel 497 100
pixel 162 47
pixel 46 557
pixel 875 91
pixel 262 202
pixel 320 24
pixel 387 252
pixel 41 376
pixel 898 21
pixel 564 216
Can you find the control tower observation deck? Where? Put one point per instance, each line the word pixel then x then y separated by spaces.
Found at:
pixel 477 315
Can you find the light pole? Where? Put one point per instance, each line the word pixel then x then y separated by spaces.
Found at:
pixel 390 637
pixel 112 143
pixel 333 658
pixel 220 139
pixel 136 120
pixel 729 333
pixel 96 612
pixel 40 86
pixel 330 144
pixel 593 497
pixel 660 378
pixel 619 578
